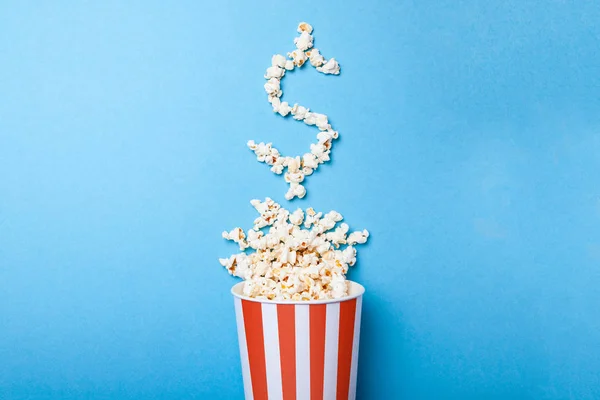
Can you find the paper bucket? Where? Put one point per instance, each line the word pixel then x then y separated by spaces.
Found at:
pixel 299 350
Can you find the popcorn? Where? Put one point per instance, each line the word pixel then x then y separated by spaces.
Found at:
pixel 339 287
pixel 298 57
pixel 300 256
pixel 238 236
pixel 265 153
pixel 358 237
pixel 297 217
pixel 307 171
pixel 256 239
pixel 262 151
pixel 238 264
pixel 295 177
pixel 338 236
pixel 311 217
pixel 278 165
pixel 309 160
pixel 319 151
pixel 295 190
pixel 304 41
pixel 315 58
pixel 268 212
pixel 303 255
pixel 320 120
pixel 327 136
pixel 330 67
pixel 292 163
pixel 228 263
pixel 275 72
pixel 284 109
pixel 278 61
pixel 273 88
pixel 289 65
pixel 334 216
pixel 305 27
pixel 299 112
pixel 252 145
pixel 349 255
pixel 327 222
pixel 275 102
pixel 299 190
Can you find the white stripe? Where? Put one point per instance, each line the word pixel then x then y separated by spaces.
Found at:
pixel 272 359
pixel 354 367
pixel 302 353
pixel 332 331
pixel 239 316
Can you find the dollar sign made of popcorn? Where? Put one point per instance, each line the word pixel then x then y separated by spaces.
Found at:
pixel 297 168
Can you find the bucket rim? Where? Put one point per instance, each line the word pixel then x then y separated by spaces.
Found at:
pixel 356 291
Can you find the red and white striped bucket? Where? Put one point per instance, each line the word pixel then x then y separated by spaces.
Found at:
pixel 299 350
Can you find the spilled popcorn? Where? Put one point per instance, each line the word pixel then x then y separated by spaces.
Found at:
pixel 304 255
pixel 297 168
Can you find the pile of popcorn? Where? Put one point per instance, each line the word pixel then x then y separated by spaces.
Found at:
pixel 302 256
pixel 296 168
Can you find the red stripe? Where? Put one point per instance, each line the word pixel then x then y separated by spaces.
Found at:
pixel 255 340
pixel 318 314
pixel 286 316
pixel 347 316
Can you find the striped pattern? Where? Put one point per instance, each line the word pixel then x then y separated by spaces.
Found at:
pixel 299 351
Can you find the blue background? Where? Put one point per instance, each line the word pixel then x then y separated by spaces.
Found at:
pixel 470 148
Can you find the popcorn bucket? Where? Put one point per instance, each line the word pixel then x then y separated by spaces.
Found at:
pixel 299 350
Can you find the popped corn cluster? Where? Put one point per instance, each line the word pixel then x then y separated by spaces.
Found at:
pixel 297 168
pixel 304 255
